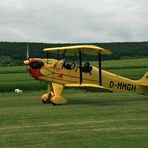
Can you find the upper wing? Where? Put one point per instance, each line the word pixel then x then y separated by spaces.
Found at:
pixel 89 87
pixel 73 50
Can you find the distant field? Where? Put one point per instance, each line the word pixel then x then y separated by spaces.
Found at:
pixel 88 121
pixel 124 64
pixel 17 77
pixel 11 81
pixel 13 69
pixel 134 74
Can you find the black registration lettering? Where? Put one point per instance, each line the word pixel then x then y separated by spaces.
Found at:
pixel 122 86
pixel 111 85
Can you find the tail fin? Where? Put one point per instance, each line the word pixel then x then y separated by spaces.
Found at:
pixel 144 80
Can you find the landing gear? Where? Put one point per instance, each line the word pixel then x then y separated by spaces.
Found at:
pixel 54 100
pixel 53 95
pixel 45 98
pixel 58 100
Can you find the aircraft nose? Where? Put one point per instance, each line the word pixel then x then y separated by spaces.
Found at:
pixel 26 62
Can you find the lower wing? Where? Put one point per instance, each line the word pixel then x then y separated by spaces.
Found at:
pixel 89 87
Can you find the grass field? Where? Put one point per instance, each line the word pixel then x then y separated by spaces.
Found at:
pixel 90 120
pixel 124 64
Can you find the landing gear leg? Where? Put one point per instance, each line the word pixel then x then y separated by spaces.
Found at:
pixel 57 99
pixel 46 97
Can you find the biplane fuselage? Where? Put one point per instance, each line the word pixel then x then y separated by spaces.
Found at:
pixel 58 76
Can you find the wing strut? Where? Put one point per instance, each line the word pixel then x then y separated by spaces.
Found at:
pixel 100 68
pixel 80 61
pixel 47 56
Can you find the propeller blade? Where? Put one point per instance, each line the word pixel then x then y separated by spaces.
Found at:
pixel 26 62
pixel 27 52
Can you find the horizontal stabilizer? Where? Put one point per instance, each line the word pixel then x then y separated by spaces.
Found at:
pixel 144 85
pixel 89 87
pixel 145 88
pixel 144 80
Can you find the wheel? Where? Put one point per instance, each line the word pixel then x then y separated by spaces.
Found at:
pixel 45 99
pixel 58 100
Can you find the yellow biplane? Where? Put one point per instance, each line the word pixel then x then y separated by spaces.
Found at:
pixel 59 73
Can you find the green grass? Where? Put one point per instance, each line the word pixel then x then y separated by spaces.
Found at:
pixel 13 69
pixel 89 120
pixel 134 73
pixel 9 82
pixel 124 64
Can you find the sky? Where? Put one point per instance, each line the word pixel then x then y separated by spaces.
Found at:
pixel 73 21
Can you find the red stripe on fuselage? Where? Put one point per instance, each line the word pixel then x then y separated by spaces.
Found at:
pixel 70 76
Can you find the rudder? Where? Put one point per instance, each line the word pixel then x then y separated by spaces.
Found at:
pixel 144 79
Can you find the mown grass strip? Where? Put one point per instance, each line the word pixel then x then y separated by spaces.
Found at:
pixel 24 85
pixel 124 64
pixel 89 120
pixel 13 69
pixel 134 73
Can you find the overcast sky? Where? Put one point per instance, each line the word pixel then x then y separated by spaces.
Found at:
pixel 73 21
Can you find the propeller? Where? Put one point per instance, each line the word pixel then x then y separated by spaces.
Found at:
pixel 27 55
pixel 27 52
pixel 47 56
pixel 26 62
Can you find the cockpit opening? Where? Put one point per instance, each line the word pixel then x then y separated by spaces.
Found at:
pixel 68 64
pixel 87 68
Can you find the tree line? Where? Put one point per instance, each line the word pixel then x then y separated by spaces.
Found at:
pixel 13 53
